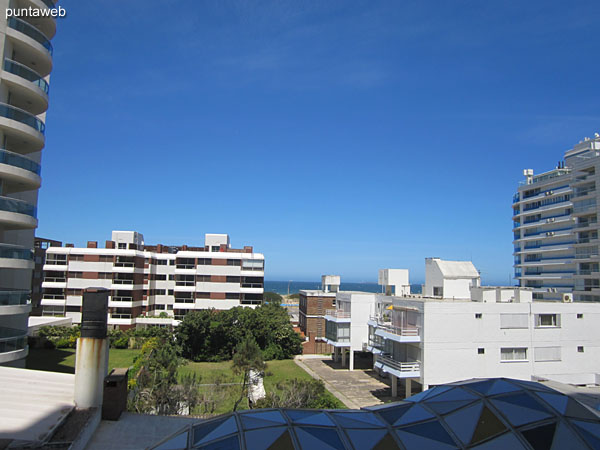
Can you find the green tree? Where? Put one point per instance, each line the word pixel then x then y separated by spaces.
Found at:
pixel 272 297
pixel 247 357
pixel 297 393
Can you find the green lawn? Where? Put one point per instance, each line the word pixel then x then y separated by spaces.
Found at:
pixel 63 359
pixel 223 397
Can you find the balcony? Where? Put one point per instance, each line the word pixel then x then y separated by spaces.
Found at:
pixel 408 369
pixel 337 315
pixel 31 31
pixel 387 330
pixel 28 89
pixel 24 132
pixel 15 257
pixel 14 302
pixel 16 213
pixel 13 344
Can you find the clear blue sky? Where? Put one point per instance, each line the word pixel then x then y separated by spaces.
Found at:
pixel 334 136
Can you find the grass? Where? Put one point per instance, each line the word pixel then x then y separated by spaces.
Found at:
pixel 63 359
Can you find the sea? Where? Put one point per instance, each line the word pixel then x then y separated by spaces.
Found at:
pixel 293 287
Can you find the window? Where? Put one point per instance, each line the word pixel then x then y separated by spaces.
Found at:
pixel 580 316
pixel 170 291
pixel 438 291
pixel 161 262
pixel 478 315
pixel 204 261
pixel 122 246
pixel 580 349
pixel 513 354
pixel 514 321
pixel 160 277
pixel 480 351
pixel 202 278
pixel 215 248
pixel 171 277
pixel 171 262
pixel 160 292
pixel 232 296
pixel 233 262
pixel 547 353
pixel 202 294
pixel 547 320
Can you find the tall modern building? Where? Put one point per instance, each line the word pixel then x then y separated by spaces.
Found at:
pixel 555 217
pixel 26 65
pixel 151 284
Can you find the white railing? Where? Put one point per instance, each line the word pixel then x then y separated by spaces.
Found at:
pixel 399 331
pixel 337 313
pixel 413 366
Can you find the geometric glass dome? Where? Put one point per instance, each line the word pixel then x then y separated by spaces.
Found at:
pixel 495 413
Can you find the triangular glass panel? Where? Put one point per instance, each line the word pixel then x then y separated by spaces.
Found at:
pixel 391 415
pixel 262 419
pixel 541 437
pixel 533 385
pixel 564 437
pixel 519 415
pixel 502 442
pixel 175 443
pixel 502 386
pixel 463 422
pixel 589 431
pixel 488 426
pixel 301 417
pixel 414 441
pixel 387 443
pixel 358 419
pixel 416 414
pixel 446 407
pixel 456 393
pixel 321 438
pixel 430 430
pixel 264 438
pixel 523 399
pixel 365 439
pixel 429 392
pixel 557 401
pixel 216 429
pixel 480 386
pixel 230 443
pixel 283 442
pixel 577 411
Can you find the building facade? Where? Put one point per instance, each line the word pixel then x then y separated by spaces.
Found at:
pixel 152 285
pixel 555 216
pixel 312 307
pixel 24 86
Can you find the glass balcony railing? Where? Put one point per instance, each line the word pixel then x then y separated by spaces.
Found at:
pixel 17 206
pixel 14 298
pixel 26 73
pixel 16 160
pixel 31 31
pixel 10 112
pixel 14 252
pixel 49 3
pixel 12 340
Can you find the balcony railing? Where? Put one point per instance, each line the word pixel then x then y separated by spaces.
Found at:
pixel 118 298
pixel 399 331
pixel 20 115
pixel 17 206
pixel 55 280
pixel 586 224
pixel 120 316
pixel 16 160
pixel 14 252
pixel 25 72
pixel 49 3
pixel 31 31
pixel 53 297
pixel 124 264
pixel 185 266
pixel 14 298
pixel 413 366
pixel 252 285
pixel 120 281
pixel 337 313
pixel 12 340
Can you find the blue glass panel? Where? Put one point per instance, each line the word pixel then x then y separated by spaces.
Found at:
pixel 415 442
pixel 178 442
pixel 359 419
pixel 590 432
pixel 578 411
pixel 430 430
pixel 309 417
pixel 391 415
pixel 480 386
pixel 456 393
pixel 523 399
pixel 540 437
pixel 463 422
pixel 262 439
pixel 231 443
pixel 446 407
pixel 533 385
pixel 564 437
pixel 319 438
pixel 261 419
pixel 502 387
pixel 519 415
pixel 414 414
pixel 365 439
pixel 557 401
pixel 429 392
pixel 502 442
pixel 216 429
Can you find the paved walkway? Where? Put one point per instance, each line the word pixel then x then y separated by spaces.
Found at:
pixel 355 389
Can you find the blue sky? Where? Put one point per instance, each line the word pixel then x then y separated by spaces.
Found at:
pixel 333 136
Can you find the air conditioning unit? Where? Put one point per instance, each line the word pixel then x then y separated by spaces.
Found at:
pixel 552 290
pixel 550 233
pixel 549 192
pixel 552 219
pixel 567 298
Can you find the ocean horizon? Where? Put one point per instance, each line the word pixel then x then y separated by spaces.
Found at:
pixel 282 287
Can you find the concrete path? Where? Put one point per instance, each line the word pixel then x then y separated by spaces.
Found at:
pixel 355 389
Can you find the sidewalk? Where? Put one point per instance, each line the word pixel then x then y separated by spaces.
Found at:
pixel 355 389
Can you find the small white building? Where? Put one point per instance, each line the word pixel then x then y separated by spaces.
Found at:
pixel 450 279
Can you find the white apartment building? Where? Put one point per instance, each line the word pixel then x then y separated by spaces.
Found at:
pixel 555 227
pixel 423 341
pixel 24 84
pixel 152 285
